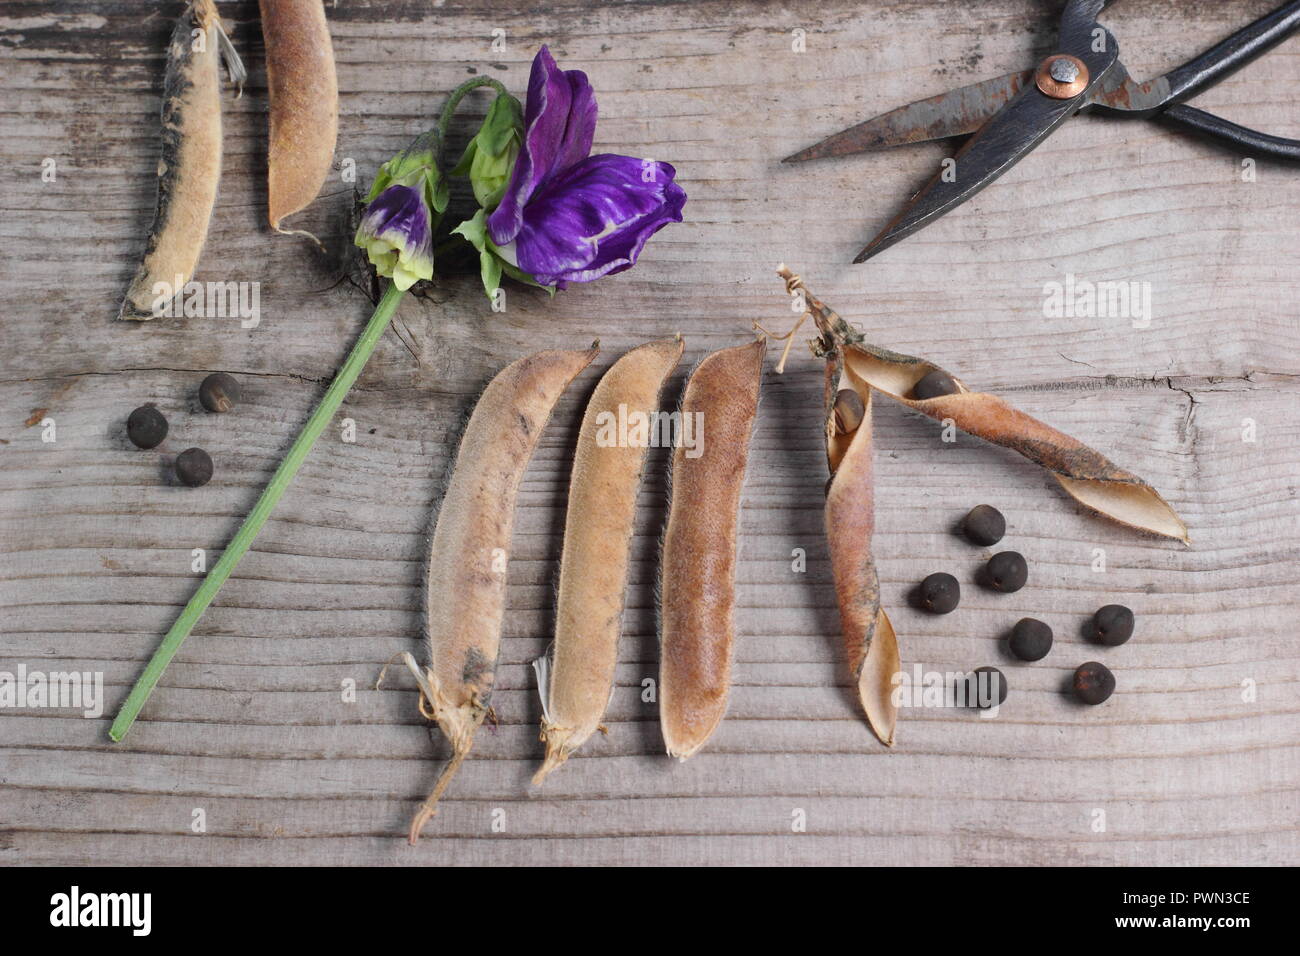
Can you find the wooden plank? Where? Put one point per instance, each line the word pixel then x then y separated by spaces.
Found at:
pixel 251 723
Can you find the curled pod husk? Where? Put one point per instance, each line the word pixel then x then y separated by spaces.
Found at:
pixel 466 588
pixel 190 164
pixel 304 95
pixel 869 640
pixel 697 589
pixel 1088 476
pixel 576 677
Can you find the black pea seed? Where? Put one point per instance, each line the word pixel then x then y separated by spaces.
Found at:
pixel 1031 639
pixel 194 467
pixel 1093 682
pixel 146 427
pixel 933 385
pixel 1112 625
pixel 219 392
pixel 984 525
pixel 984 685
pixel 939 593
pixel 848 410
pixel 1006 571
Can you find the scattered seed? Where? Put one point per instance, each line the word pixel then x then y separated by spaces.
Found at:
pixel 146 427
pixel 848 410
pixel 1031 639
pixel 934 384
pixel 1006 571
pixel 1093 682
pixel 219 392
pixel 1112 625
pixel 939 593
pixel 981 690
pixel 984 525
pixel 194 467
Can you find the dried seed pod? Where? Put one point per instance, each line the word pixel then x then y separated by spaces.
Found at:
pixel 697 593
pixel 576 677
pixel 1087 476
pixel 304 96
pixel 465 594
pixel 869 638
pixel 190 165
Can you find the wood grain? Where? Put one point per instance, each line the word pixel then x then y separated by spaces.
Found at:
pixel 250 722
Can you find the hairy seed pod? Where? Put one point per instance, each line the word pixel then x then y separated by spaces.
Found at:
pixel 465 594
pixel 869 640
pixel 576 677
pixel 190 164
pixel 697 592
pixel 1086 475
pixel 304 96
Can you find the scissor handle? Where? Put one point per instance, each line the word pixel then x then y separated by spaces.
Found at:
pixel 1248 141
pixel 1233 53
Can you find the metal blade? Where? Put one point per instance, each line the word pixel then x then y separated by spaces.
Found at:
pixel 954 113
pixel 1012 133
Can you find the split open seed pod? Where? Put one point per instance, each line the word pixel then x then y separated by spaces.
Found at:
pixel 1087 475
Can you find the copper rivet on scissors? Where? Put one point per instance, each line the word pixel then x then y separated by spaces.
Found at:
pixel 1062 76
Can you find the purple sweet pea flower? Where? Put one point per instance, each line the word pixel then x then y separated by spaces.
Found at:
pixel 573 217
pixel 397 234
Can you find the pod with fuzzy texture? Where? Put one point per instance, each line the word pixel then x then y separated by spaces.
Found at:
pixel 1089 477
pixel 190 164
pixel 465 595
pixel 576 677
pixel 303 91
pixel 697 593
pixel 869 640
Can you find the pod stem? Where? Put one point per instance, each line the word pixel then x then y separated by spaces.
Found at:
pixel 243 539
pixel 430 805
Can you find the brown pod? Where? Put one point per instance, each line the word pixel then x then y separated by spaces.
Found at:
pixel 1089 477
pixel 870 643
pixel 189 167
pixel 576 677
pixel 466 586
pixel 697 593
pixel 304 97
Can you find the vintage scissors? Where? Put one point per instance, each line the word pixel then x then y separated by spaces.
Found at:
pixel 1010 115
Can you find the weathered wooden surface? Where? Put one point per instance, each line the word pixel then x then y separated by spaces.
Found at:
pixel 249 723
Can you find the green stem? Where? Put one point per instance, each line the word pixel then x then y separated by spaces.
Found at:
pixel 458 94
pixel 243 539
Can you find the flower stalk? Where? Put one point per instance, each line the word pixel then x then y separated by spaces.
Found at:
pixel 248 531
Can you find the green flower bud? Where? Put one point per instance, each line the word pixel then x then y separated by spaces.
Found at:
pixel 490 156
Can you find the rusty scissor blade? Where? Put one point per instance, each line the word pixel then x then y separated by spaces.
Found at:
pixel 954 113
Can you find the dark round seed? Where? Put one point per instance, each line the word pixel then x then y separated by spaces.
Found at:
pixel 939 593
pixel 1006 571
pixel 194 467
pixel 1112 625
pixel 984 685
pixel 933 385
pixel 1031 639
pixel 848 410
pixel 984 525
pixel 1093 682
pixel 146 427
pixel 219 392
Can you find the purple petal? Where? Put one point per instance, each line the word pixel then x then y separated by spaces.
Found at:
pixel 559 123
pixel 400 215
pixel 594 218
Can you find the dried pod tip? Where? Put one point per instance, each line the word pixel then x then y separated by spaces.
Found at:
pixel 556 754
